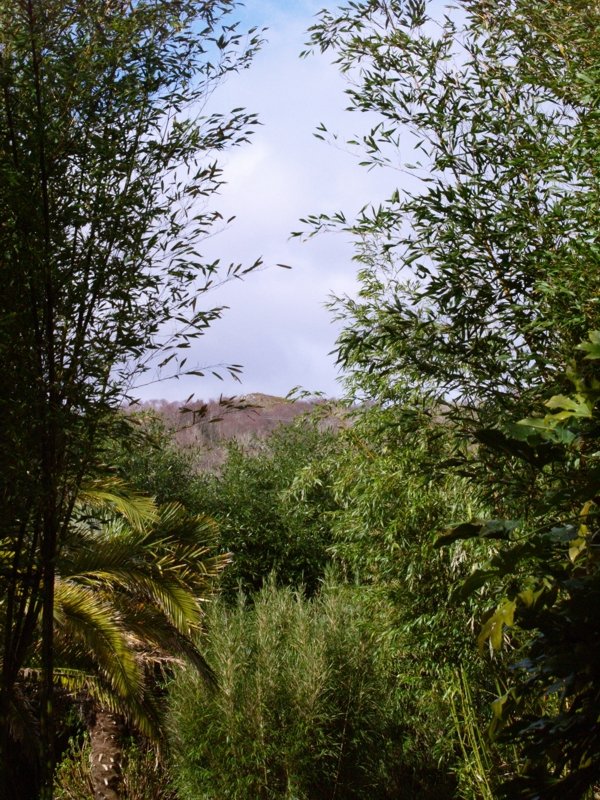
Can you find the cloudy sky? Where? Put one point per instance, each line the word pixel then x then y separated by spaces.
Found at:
pixel 277 325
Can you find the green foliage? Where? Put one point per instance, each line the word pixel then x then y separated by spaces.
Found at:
pixel 475 767
pixel 477 274
pixel 261 522
pixel 143 774
pixel 107 156
pixel 550 575
pixel 150 461
pixel 391 498
pixel 370 488
pixel 128 602
pixel 128 592
pixel 306 705
pixel 72 779
pixel 392 494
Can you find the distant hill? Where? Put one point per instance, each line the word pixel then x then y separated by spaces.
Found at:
pixel 208 426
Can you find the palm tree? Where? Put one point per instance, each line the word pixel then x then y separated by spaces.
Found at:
pixel 130 583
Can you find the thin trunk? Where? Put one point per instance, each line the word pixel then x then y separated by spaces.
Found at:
pixel 49 455
pixel 47 723
pixel 22 613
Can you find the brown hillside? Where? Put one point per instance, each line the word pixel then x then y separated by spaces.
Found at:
pixel 207 426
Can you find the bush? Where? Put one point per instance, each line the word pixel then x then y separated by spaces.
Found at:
pixel 306 706
pixel 267 530
pixel 143 774
pixel 149 459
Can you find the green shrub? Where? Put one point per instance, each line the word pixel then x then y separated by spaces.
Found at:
pixel 143 774
pixel 267 530
pixel 72 779
pixel 307 706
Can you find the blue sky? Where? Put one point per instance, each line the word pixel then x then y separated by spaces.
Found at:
pixel 277 326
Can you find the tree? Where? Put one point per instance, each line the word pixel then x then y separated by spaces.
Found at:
pixel 268 528
pixel 131 580
pixel 105 164
pixel 477 273
pixel 129 597
pixel 479 278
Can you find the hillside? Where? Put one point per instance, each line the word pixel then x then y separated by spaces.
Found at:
pixel 207 426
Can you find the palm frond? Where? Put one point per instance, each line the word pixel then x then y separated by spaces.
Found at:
pixel 131 578
pixel 144 713
pixel 104 551
pixel 88 618
pixel 175 522
pixel 139 510
pixel 178 546
pixel 160 641
pixel 171 597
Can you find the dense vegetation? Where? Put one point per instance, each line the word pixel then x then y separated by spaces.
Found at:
pixel 393 597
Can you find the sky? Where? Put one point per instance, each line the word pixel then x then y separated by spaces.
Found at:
pixel 277 325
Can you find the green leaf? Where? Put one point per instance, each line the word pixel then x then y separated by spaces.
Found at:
pixel 485 529
pixel 592 348
pixel 576 406
pixel 474 582
pixel 493 628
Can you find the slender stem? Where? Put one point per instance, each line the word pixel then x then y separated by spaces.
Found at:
pixel 49 452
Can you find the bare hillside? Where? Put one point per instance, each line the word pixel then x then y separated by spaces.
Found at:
pixel 206 427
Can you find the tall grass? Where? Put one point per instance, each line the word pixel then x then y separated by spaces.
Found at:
pixel 306 706
pixel 475 766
